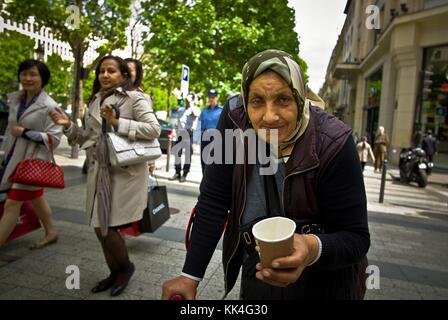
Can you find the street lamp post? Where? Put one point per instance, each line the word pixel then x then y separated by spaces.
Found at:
pixel 383 181
pixel 168 155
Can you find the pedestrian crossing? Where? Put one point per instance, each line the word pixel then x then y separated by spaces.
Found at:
pixel 399 194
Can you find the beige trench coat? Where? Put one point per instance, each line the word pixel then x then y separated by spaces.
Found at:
pixel 129 184
pixel 35 118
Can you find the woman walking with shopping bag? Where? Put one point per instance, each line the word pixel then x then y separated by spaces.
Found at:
pixel 116 195
pixel 30 134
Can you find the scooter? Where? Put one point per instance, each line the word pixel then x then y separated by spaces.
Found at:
pixel 414 166
pixel 430 166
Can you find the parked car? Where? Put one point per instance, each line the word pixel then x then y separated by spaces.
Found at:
pixel 166 134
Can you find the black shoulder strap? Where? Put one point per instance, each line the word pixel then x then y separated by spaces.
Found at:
pixel 116 106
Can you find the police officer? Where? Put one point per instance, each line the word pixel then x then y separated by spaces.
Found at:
pixel 209 120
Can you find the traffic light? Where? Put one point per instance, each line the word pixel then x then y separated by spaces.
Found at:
pixel 427 82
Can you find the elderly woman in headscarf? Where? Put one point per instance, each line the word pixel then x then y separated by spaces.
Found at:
pixel 318 184
pixel 116 196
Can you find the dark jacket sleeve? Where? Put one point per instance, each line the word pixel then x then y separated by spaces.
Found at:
pixel 212 209
pixel 343 205
pixel 33 136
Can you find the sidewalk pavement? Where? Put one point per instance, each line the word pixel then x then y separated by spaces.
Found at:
pixel 437 183
pixel 41 274
pixel 409 233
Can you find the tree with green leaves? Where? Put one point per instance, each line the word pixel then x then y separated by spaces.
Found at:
pixel 214 38
pixel 14 48
pixel 77 22
pixel 60 82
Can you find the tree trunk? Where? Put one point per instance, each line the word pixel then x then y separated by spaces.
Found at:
pixel 79 54
pixel 168 94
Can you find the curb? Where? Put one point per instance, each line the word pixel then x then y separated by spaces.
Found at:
pixel 397 177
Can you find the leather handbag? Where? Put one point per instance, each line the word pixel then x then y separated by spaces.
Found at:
pixel 38 172
pixel 125 151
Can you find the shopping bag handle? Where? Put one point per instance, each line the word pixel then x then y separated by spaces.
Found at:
pixel 50 144
pixel 155 177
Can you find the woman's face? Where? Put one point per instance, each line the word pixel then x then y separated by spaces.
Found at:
pixel 133 70
pixel 30 79
pixel 110 75
pixel 271 105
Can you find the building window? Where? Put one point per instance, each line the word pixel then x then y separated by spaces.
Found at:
pixel 434 98
pixel 372 105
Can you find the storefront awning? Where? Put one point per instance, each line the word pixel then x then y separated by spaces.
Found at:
pixel 346 71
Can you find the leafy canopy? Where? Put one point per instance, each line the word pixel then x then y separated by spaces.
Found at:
pixel 214 38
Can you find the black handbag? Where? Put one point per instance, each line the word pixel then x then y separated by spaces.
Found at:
pixel 158 210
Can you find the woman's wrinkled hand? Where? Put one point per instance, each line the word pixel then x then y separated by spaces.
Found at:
pixel 288 269
pixel 182 286
pixel 59 117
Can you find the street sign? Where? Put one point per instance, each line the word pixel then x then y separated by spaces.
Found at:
pixel 185 80
pixel 185 73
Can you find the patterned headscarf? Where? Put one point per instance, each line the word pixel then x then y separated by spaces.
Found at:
pixel 284 65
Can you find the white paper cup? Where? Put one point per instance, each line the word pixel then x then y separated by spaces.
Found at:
pixel 274 237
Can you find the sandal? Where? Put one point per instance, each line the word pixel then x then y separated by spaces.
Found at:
pixel 45 241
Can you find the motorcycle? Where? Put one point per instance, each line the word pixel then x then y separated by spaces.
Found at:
pixel 414 166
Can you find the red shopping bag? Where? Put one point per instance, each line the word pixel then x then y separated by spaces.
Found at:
pixel 26 222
